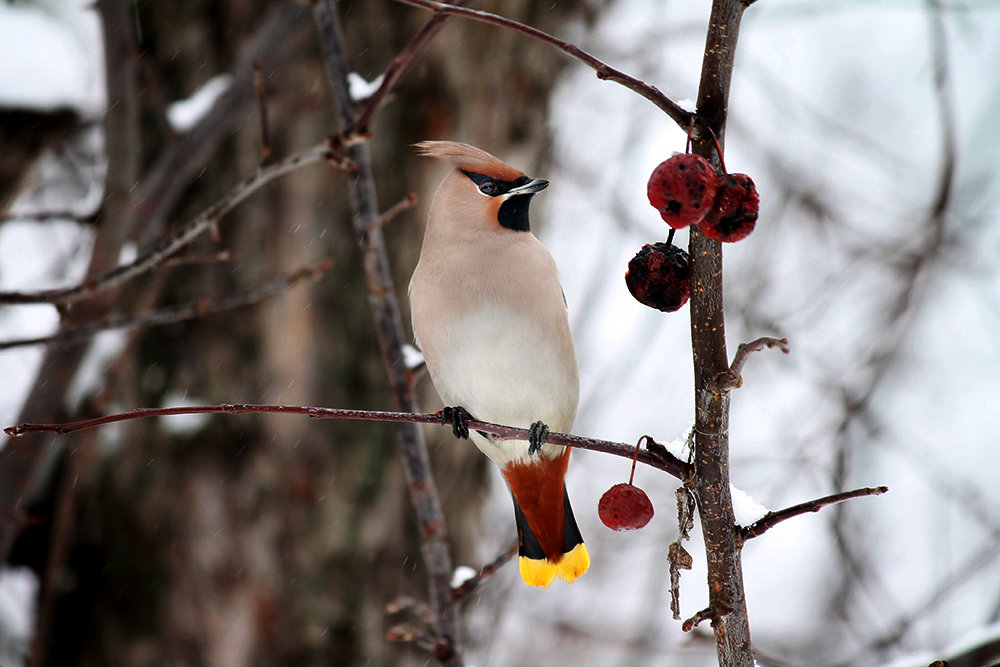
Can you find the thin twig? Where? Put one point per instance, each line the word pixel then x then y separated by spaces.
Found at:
pixel 666 462
pixel 207 220
pixel 404 204
pixel 604 71
pixel 174 314
pixel 706 614
pixel 771 519
pixel 733 378
pixel 394 72
pixel 472 584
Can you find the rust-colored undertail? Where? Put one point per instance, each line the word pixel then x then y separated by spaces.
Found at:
pixel 550 544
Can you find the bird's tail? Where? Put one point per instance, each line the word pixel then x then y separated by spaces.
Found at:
pixel 566 562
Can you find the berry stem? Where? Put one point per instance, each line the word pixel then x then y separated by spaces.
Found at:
pixel 635 457
pixel 670 236
pixel 718 149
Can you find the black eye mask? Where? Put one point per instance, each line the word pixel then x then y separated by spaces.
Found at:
pixel 494 187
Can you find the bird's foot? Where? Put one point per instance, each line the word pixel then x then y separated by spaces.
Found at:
pixel 537 433
pixel 456 416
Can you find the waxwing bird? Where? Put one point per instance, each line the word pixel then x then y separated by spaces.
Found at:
pixel 490 317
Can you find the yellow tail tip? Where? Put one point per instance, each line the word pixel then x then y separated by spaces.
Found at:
pixel 542 572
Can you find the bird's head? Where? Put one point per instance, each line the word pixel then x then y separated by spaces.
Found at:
pixel 495 193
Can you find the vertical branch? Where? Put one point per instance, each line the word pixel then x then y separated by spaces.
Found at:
pixel 390 332
pixel 727 601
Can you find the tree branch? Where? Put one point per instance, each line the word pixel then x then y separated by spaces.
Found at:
pixel 183 235
pixel 604 71
pixel 733 378
pixel 73 334
pixel 771 519
pixel 472 584
pixel 660 460
pixel 391 337
pixel 394 72
pixel 727 596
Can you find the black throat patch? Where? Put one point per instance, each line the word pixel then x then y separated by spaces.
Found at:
pixel 513 213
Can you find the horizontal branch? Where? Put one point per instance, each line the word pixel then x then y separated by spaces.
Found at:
pixel 174 314
pixel 771 519
pixel 604 71
pixel 182 236
pixel 661 460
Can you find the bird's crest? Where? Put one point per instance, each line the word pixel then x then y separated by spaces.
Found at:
pixel 469 158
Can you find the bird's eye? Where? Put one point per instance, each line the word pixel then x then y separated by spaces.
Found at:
pixel 488 187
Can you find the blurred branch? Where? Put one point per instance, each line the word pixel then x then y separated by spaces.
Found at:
pixel 197 309
pixel 183 235
pixel 660 460
pixel 472 584
pixel 265 130
pixel 49 216
pixel 771 519
pixel 910 291
pixel 282 31
pixel 604 71
pixel 391 336
pixel 394 72
pixel 20 466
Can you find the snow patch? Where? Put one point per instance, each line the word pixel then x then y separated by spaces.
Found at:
pixel 462 574
pixel 18 590
pixel 412 357
pixel 182 425
pixel 745 507
pixel 48 59
pixel 184 114
pixel 360 89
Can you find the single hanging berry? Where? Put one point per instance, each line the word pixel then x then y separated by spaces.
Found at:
pixel 682 188
pixel 626 506
pixel 659 276
pixel 734 213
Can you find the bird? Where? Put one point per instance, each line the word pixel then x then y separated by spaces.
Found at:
pixel 490 317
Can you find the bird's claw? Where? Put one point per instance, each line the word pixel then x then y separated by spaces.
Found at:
pixel 537 433
pixel 457 417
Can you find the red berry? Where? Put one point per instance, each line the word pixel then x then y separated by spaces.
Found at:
pixel 625 507
pixel 734 213
pixel 682 188
pixel 659 277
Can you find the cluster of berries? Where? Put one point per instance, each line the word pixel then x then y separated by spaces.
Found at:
pixel 686 191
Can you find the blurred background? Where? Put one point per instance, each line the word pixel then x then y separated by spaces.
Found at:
pixel 870 128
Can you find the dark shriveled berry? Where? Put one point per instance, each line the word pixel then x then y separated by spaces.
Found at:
pixel 625 507
pixel 682 188
pixel 659 277
pixel 734 213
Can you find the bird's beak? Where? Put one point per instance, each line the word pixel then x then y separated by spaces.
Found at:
pixel 530 188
